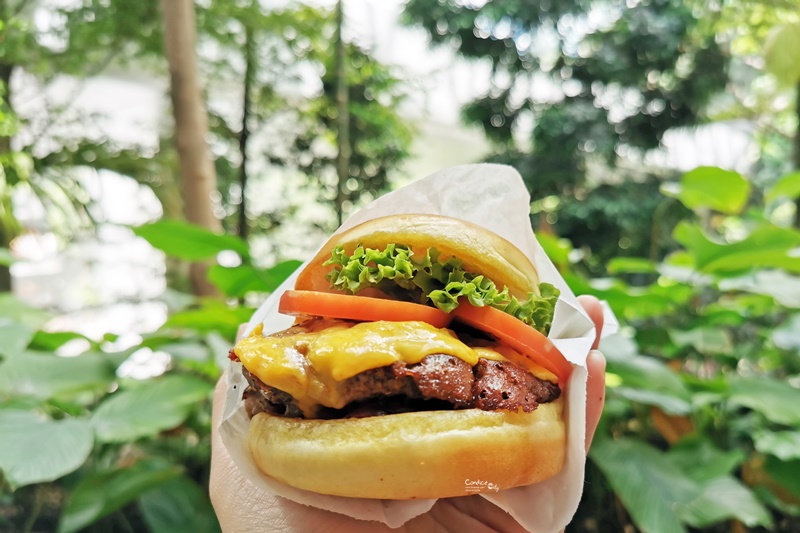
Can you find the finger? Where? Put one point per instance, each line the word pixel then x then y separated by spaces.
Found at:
pixel 595 312
pixel 595 393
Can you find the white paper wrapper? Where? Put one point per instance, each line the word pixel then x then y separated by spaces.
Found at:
pixel 495 197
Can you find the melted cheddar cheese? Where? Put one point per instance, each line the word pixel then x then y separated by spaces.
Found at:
pixel 308 364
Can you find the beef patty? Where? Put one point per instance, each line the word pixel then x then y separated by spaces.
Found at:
pixel 437 382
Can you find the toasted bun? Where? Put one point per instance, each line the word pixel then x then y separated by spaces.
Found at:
pixel 428 454
pixel 482 251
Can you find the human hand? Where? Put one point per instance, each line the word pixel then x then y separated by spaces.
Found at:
pixel 241 507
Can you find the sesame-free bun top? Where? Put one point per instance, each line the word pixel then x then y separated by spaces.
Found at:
pixel 481 251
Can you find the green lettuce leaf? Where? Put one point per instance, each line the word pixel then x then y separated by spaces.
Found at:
pixel 431 280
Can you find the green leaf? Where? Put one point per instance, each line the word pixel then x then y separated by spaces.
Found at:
pixel 212 315
pixel 725 498
pixel 35 449
pixel 47 341
pixel 783 287
pixel 240 280
pixel 219 346
pixel 653 490
pixel 776 400
pixel 153 406
pixel 787 336
pixel 45 376
pixel 786 473
pixel 178 505
pixel 6 259
pixel 666 402
pixel 705 340
pixel 785 445
pixel 188 350
pixel 723 190
pixel 189 242
pixel 102 493
pixel 14 309
pixel 782 53
pixel 702 461
pixel 557 250
pixel 765 247
pixel 14 337
pixel 631 303
pixel 631 265
pixel 644 379
pixel 786 187
pixel 176 300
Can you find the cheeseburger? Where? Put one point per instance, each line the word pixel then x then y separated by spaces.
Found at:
pixel 418 367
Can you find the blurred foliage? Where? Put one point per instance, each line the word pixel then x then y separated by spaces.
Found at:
pixel 702 395
pixel 596 79
pixel 289 51
pixel 701 429
pixel 87 441
pixel 292 130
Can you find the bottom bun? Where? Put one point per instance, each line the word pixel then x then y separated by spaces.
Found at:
pixel 429 454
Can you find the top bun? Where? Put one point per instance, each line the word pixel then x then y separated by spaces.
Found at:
pixel 481 251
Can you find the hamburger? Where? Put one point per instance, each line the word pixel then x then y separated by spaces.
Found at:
pixel 417 367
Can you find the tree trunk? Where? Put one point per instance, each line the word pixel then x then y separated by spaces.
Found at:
pixel 796 152
pixel 196 169
pixel 249 75
pixel 343 116
pixel 6 71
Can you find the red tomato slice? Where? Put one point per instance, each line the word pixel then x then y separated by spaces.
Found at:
pixel 518 335
pixel 363 308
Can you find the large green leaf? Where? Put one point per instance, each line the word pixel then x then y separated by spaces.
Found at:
pixel 787 473
pixel 48 341
pixel 723 190
pixel 725 498
pixel 102 493
pixel 219 346
pixel 212 315
pixel 788 187
pixel 185 241
pixel 782 53
pixel 188 350
pixel 14 337
pixel 557 250
pixel 6 259
pixel 632 303
pixel 787 336
pixel 178 505
pixel 776 400
pixel 702 461
pixel 152 406
pixel 785 445
pixel 240 280
pixel 644 379
pixel 667 402
pixel 765 247
pixel 45 376
pixel 781 286
pixel 653 490
pixel 631 265
pixel 704 339
pixel 14 309
pixel 35 449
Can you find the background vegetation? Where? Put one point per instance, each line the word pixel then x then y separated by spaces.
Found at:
pixel 702 427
